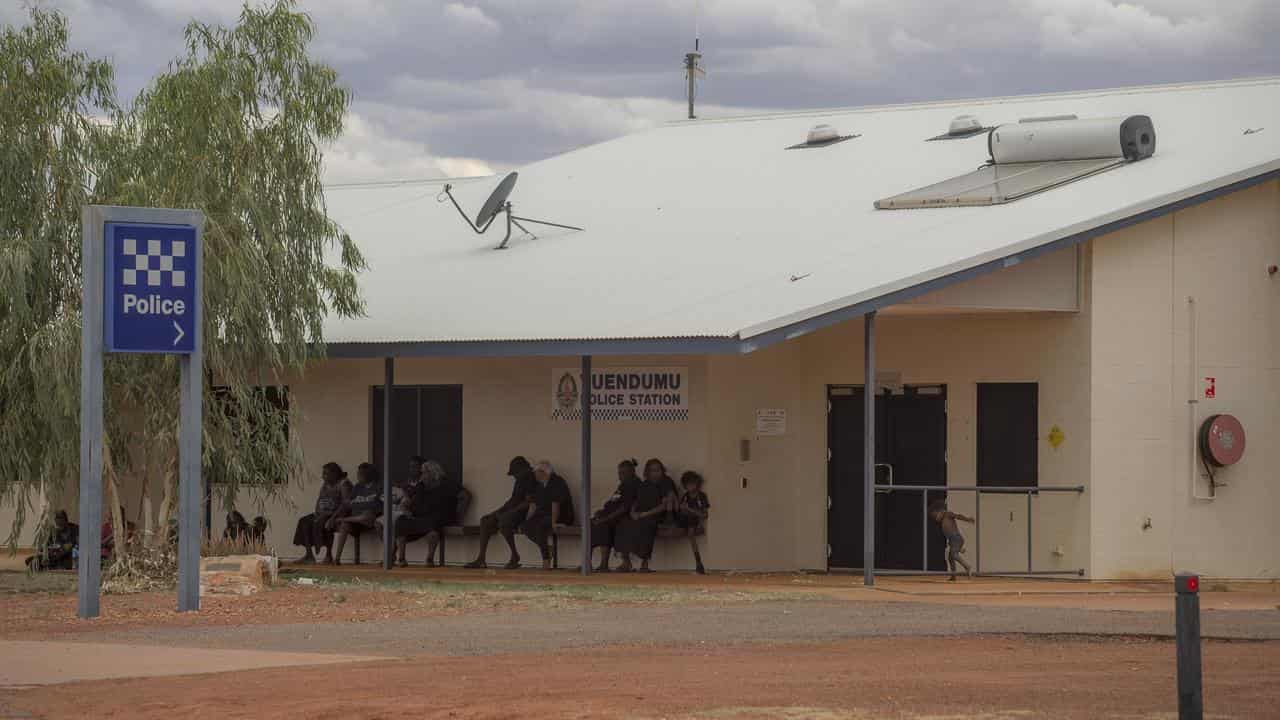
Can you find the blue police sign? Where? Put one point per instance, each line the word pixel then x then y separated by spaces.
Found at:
pixel 150 303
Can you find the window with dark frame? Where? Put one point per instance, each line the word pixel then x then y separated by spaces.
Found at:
pixel 426 420
pixel 1008 434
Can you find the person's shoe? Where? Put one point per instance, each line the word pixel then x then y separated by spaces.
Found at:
pixel 602 568
pixel 334 561
pixel 402 563
pixel 476 565
pixel 951 579
pixel 512 564
pixel 700 570
pixel 307 560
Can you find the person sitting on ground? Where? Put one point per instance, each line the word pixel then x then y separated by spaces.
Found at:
pixel 692 514
pixel 433 505
pixel 108 537
pixel 258 530
pixel 640 526
pixel 237 527
pixel 315 531
pixel 946 520
pixel 507 519
pixel 605 521
pixel 552 508
pixel 362 510
pixel 59 549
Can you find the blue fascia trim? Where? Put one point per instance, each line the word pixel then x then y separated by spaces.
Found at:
pixel 536 348
pixel 733 345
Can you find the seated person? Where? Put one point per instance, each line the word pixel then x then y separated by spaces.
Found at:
pixel 605 521
pixel 363 509
pixel 315 531
pixel 258 530
pixel 692 514
pixel 402 491
pixel 552 507
pixel 108 537
pixel 237 527
pixel 507 518
pixel 432 505
pixel 59 548
pixel 639 527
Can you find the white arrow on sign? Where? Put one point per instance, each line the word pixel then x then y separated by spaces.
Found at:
pixel 181 334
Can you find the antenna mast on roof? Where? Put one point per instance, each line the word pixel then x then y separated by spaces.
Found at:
pixel 692 63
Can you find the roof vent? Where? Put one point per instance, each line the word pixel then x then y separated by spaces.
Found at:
pixel 821 135
pixel 962 126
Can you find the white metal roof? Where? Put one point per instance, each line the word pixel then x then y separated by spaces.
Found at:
pixel 696 228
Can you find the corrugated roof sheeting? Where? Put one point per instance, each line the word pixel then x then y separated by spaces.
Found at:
pixel 713 229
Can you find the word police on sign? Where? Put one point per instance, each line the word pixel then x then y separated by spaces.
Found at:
pixel 150 288
pixel 659 394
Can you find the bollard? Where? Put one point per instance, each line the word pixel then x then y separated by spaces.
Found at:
pixel 1187 600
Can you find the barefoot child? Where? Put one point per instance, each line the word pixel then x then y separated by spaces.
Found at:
pixel 946 519
pixel 692 512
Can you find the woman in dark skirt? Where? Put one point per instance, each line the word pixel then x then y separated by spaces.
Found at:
pixel 606 521
pixel 639 528
pixel 315 531
pixel 432 505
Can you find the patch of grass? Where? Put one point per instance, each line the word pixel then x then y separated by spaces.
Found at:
pixel 459 594
pixel 22 583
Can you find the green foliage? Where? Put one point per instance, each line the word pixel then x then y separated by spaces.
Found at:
pixel 233 128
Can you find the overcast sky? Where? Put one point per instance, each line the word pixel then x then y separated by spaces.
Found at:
pixel 470 87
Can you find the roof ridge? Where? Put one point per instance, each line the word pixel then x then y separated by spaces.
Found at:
pixel 1097 92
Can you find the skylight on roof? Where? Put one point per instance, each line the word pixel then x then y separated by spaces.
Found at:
pixel 962 126
pixel 1031 157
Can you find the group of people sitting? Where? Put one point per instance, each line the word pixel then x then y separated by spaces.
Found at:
pixel 427 501
pixel 422 504
pixel 61 546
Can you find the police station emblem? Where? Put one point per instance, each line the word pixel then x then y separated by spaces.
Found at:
pixel 567 392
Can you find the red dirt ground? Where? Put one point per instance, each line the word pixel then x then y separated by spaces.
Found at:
pixel 883 677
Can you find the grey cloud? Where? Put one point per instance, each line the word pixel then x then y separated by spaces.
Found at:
pixel 503 82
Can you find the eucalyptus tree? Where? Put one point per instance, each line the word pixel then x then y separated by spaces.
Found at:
pixel 235 127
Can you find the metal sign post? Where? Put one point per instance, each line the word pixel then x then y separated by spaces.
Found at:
pixel 142 280
pixel 1187 618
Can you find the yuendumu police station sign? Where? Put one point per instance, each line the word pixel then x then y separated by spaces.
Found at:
pixel 653 394
pixel 142 294
pixel 150 301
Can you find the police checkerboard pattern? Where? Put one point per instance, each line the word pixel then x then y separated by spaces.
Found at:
pixel 150 267
pixel 615 414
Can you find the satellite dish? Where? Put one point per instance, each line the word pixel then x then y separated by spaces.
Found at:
pixel 498 203
pixel 497 200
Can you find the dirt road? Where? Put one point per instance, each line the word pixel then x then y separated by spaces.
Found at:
pixel 873 677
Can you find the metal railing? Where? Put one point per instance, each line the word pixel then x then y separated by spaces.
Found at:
pixel 978 491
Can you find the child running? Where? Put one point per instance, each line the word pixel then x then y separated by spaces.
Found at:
pixel 946 519
pixel 692 513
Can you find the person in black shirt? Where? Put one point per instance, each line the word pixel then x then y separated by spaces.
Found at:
pixel 551 508
pixel 432 505
pixel 692 513
pixel 640 526
pixel 315 531
pixel 57 552
pixel 362 509
pixel 606 520
pixel 513 512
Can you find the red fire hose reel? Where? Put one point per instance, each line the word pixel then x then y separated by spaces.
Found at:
pixel 1221 440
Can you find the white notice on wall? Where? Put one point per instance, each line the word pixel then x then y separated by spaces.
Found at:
pixel 771 421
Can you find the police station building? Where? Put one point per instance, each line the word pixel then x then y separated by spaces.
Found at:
pixel 1075 293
